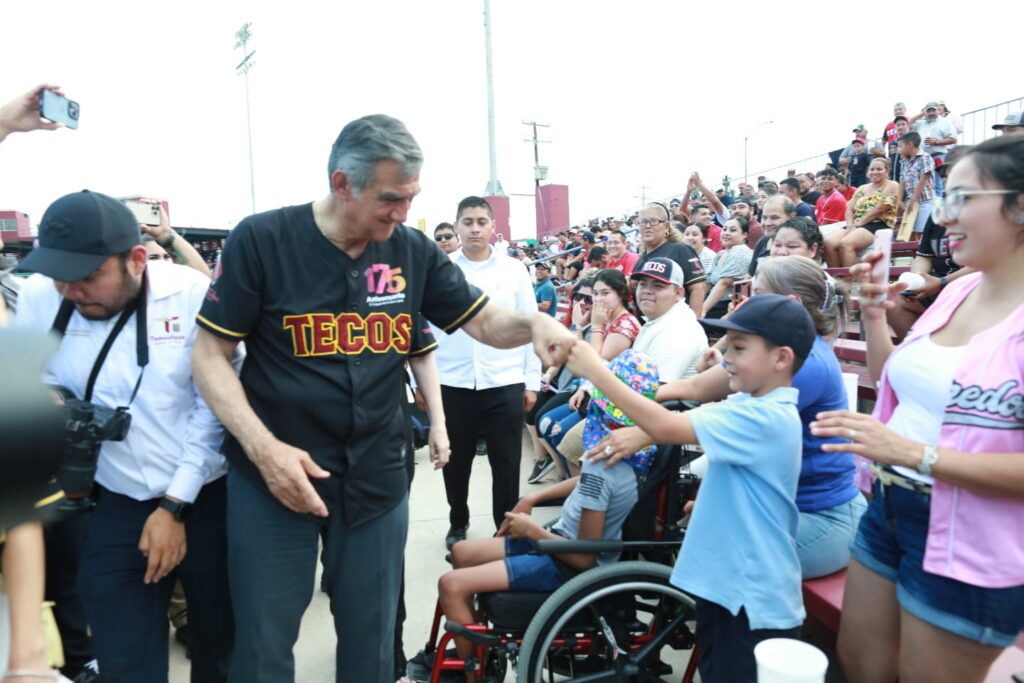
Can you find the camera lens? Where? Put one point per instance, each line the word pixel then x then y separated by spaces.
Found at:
pixel 72 110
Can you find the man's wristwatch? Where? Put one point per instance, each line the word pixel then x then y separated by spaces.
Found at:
pixel 180 510
pixel 169 242
pixel 928 460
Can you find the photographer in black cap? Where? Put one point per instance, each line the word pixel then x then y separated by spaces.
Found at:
pixel 159 510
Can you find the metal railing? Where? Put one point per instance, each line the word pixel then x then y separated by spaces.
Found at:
pixel 977 128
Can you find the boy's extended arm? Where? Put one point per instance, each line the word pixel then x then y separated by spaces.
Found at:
pixel 661 424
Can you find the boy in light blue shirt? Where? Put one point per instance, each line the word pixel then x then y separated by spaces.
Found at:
pixel 739 557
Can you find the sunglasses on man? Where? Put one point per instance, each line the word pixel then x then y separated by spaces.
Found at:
pixel 585 298
pixel 444 237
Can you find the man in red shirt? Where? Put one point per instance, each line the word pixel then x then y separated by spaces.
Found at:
pixel 831 206
pixel 701 215
pixel 890 136
pixel 620 258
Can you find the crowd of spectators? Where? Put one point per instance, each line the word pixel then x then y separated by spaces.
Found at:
pixel 628 292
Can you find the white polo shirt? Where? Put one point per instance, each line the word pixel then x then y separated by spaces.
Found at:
pixel 676 342
pixel 465 363
pixel 173 446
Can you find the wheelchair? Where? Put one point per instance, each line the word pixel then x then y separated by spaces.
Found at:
pixel 615 622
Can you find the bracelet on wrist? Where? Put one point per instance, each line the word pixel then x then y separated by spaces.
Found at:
pixel 169 242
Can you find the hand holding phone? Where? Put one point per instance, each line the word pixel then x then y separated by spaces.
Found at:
pixel 22 114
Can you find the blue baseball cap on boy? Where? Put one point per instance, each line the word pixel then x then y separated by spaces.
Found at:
pixel 779 319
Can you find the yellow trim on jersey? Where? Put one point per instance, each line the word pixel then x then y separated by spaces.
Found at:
pixel 425 349
pixel 469 312
pixel 239 335
pixel 52 498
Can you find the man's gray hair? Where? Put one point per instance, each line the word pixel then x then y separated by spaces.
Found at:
pixel 364 142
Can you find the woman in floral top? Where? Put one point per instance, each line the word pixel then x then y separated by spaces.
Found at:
pixel 872 208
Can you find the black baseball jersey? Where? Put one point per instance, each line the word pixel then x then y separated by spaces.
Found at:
pixel 326 341
pixel 683 254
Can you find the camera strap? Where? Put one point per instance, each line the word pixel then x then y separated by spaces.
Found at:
pixel 138 307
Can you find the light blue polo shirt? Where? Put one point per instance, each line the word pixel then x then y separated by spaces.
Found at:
pixel 740 547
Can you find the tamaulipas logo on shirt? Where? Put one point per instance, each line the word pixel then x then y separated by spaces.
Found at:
pixel 169 331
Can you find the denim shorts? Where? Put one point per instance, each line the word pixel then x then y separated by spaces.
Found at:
pixel 530 573
pixel 891 542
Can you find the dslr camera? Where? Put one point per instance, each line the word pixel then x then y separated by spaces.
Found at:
pixel 86 427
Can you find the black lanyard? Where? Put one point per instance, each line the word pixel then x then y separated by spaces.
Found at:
pixel 138 307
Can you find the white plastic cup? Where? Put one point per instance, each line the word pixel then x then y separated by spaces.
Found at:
pixel 784 660
pixel 913 281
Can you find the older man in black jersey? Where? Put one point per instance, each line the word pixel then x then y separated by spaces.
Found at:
pixel 316 429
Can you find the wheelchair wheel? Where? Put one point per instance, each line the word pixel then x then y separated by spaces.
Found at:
pixel 633 613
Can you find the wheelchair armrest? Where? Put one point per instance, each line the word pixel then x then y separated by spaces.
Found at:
pixel 553 503
pixel 680 406
pixel 598 546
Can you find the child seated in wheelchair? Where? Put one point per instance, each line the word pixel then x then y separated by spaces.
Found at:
pixel 599 500
pixel 738 559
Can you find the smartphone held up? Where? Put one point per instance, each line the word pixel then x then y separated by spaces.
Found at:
pixel 880 271
pixel 59 109
pixel 145 213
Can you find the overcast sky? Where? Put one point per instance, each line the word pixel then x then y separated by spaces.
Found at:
pixel 636 93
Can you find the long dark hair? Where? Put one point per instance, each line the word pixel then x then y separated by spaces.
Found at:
pixel 616 282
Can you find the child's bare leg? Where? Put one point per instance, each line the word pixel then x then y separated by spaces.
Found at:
pixel 477 551
pixel 458 587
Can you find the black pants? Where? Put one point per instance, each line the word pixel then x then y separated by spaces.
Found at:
pixel 727 644
pixel 498 413
pixel 128 618
pixel 272 557
pixel 63 542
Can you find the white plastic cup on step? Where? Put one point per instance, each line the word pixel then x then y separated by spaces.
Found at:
pixel 784 660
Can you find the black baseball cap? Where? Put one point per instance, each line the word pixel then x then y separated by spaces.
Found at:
pixel 779 319
pixel 78 233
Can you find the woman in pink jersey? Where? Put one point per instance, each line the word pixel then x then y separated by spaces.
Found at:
pixel 936 587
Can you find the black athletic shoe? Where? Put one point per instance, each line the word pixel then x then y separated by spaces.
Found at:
pixel 184 636
pixel 455 535
pixel 541 469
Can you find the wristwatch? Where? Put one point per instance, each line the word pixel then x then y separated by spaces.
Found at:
pixel 943 281
pixel 169 242
pixel 180 510
pixel 928 460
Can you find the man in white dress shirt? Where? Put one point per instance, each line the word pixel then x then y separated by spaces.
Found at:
pixel 485 389
pixel 160 494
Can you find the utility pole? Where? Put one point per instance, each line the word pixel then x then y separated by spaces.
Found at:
pixel 242 41
pixel 643 195
pixel 493 186
pixel 746 138
pixel 539 172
